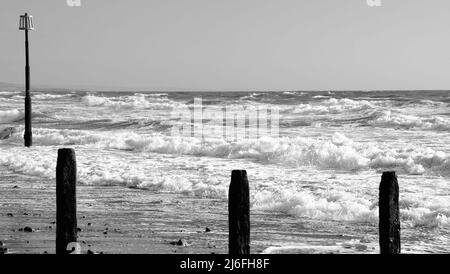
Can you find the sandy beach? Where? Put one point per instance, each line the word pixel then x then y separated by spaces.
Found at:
pixel 150 228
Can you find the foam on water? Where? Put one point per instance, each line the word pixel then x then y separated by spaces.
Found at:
pixel 9 116
pixel 339 203
pixel 7 93
pixel 354 207
pixel 338 153
pixel 389 118
pixel 135 101
pixel 333 206
pixel 332 106
pixel 325 166
pixel 45 96
pixel 378 113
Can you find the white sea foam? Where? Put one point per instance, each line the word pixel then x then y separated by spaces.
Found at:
pixel 430 212
pixel 45 96
pixel 339 153
pixel 378 112
pixel 334 206
pixel 3 93
pixel 389 118
pixel 332 106
pixel 425 217
pixel 321 96
pixel 136 101
pixel 106 169
pixel 347 206
pixel 9 116
pixel 291 92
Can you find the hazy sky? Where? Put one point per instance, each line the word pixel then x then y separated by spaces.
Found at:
pixel 230 44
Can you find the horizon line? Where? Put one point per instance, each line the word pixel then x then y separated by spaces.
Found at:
pixel 40 87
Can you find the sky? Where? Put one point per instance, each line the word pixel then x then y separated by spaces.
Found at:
pixel 228 45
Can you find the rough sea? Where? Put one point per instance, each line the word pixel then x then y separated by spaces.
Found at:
pixel 325 165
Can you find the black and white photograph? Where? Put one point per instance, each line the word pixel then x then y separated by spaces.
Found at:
pixel 224 127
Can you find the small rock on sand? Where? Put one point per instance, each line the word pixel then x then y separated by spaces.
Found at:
pixel 93 252
pixel 207 230
pixel 26 229
pixel 181 242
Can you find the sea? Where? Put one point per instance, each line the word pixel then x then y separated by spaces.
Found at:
pixel 324 163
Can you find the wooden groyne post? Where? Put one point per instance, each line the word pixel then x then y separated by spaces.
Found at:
pixel 389 214
pixel 239 214
pixel 66 209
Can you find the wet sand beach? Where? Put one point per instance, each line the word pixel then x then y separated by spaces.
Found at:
pixel 119 220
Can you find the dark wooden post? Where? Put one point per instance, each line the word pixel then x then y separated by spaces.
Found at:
pixel 389 224
pixel 66 208
pixel 239 214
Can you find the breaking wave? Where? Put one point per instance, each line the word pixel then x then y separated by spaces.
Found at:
pixel 338 153
pixel 10 116
pixel 136 101
pixel 332 106
pixel 336 205
pixel 397 120
pixel 346 206
pixel 45 96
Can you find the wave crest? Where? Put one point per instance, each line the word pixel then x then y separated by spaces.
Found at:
pixel 390 119
pixel 10 116
pixel 339 152
pixel 136 101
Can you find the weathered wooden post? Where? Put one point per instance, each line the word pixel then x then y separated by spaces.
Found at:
pixel 239 214
pixel 66 208
pixel 389 222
